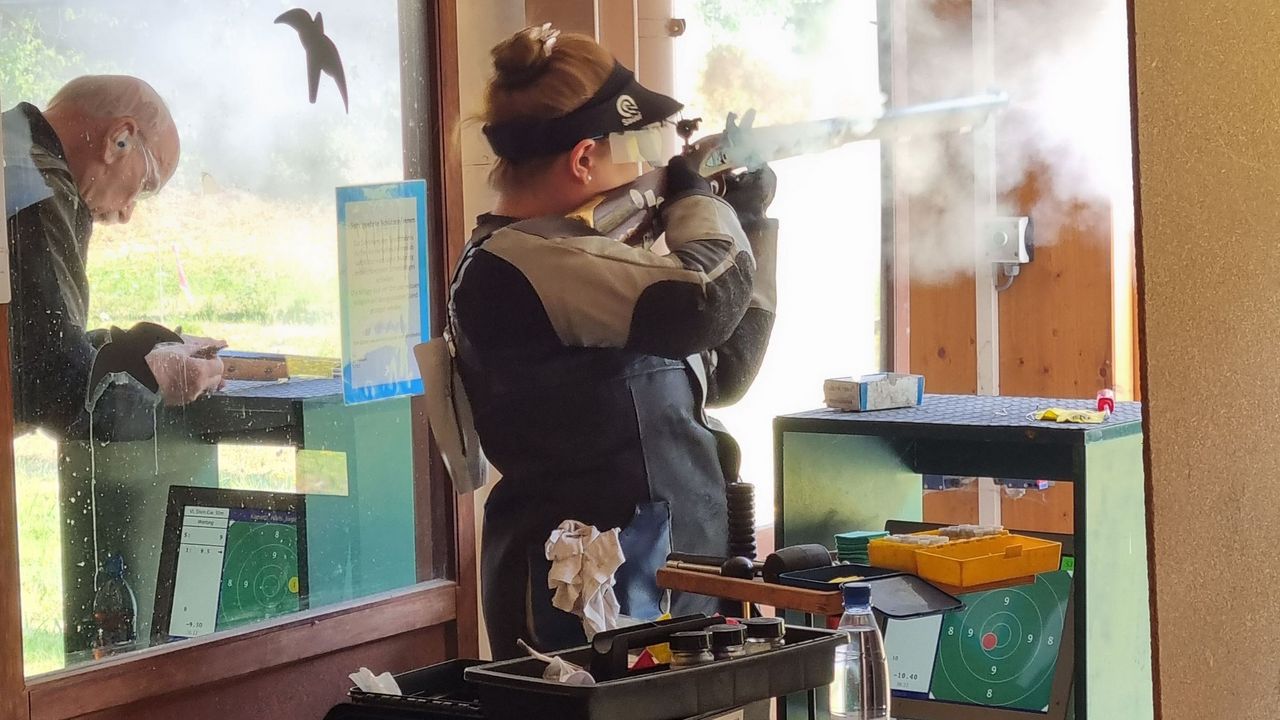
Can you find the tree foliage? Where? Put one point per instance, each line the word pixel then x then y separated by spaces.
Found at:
pixel 737 75
pixel 32 67
pixel 802 17
pixel 733 81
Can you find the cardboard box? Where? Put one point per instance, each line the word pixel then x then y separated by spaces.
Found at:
pixel 881 391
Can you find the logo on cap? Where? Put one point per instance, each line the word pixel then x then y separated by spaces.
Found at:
pixel 628 110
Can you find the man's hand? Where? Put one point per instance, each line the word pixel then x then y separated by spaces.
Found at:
pixel 187 371
pixel 200 340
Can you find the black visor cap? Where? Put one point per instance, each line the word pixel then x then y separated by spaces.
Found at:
pixel 621 104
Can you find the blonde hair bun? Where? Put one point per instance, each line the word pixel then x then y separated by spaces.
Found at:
pixel 521 58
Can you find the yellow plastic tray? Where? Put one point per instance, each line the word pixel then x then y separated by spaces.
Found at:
pixel 885 553
pixel 972 562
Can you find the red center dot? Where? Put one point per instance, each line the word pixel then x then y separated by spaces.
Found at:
pixel 989 642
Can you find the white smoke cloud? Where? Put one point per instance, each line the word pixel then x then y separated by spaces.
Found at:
pixel 1067 128
pixel 1065 67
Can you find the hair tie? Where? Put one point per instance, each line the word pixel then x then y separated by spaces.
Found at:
pixel 546 35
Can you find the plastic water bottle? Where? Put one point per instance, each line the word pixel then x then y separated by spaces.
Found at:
pixel 861 686
pixel 115 610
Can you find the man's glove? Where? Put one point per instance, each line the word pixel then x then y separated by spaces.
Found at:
pixel 683 179
pixel 750 194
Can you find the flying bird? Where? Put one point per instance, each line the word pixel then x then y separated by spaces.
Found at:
pixel 126 353
pixel 322 54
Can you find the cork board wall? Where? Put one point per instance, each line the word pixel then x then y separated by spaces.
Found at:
pixel 1208 133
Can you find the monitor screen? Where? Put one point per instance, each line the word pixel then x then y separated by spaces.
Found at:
pixel 1000 650
pixel 230 557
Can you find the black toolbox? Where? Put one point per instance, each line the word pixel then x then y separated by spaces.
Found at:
pixel 515 690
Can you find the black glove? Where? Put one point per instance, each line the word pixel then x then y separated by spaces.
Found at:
pixel 683 179
pixel 750 193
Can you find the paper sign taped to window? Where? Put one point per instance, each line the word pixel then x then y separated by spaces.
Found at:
pixel 382 275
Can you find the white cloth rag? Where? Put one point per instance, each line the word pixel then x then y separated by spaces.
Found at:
pixel 583 563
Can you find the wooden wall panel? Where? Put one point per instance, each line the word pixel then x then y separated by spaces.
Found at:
pixel 13 693
pixel 305 691
pixel 578 16
pixel 952 507
pixel 942 313
pixel 943 318
pixel 1050 511
pixel 618 31
pixel 1055 320
pixel 1207 96
pixel 655 46
pixel 12 685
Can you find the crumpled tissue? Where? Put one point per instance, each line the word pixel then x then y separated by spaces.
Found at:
pixel 583 563
pixel 559 669
pixel 370 683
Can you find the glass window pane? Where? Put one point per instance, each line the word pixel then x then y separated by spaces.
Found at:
pixel 269 495
pixel 793 62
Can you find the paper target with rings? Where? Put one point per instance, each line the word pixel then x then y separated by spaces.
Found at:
pixel 1002 649
pixel 259 573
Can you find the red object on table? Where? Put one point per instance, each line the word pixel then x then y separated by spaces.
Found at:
pixel 1107 400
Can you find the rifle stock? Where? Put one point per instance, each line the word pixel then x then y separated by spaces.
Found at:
pixel 628 213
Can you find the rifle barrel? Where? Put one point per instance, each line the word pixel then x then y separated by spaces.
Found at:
pixel 752 147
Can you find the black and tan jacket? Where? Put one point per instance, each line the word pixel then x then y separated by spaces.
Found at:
pixel 49 226
pixel 588 364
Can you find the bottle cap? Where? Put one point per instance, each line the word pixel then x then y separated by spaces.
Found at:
pixel 856 594
pixel 723 636
pixel 690 642
pixel 767 628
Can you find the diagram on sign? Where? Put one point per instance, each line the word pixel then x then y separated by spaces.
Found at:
pixel 1002 649
pixel 260 572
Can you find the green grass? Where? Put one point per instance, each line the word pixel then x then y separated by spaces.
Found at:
pixel 40 552
pixel 262 276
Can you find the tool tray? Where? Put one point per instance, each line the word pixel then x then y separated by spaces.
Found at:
pixel 515 690
pixel 970 562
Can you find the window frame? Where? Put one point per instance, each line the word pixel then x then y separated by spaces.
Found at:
pixel 446 593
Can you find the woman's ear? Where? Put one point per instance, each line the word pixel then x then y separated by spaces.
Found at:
pixel 119 140
pixel 581 162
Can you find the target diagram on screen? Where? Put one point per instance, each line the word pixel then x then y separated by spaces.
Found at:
pixel 1001 650
pixel 260 572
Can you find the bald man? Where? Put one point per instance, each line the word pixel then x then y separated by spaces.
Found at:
pixel 104 143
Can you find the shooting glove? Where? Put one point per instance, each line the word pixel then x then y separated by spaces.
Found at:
pixel 750 194
pixel 683 179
